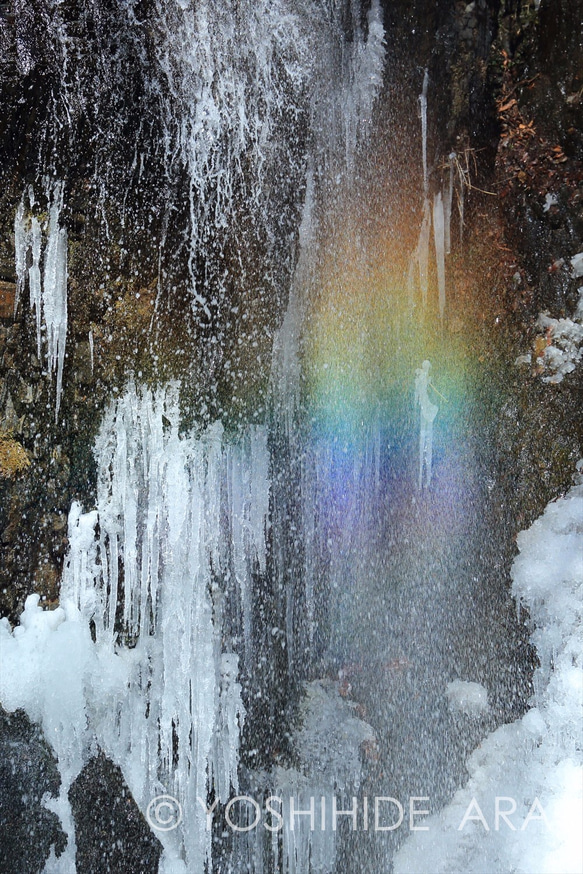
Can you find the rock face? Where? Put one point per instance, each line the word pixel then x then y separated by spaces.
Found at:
pixel 110 832
pixel 28 772
pixel 540 154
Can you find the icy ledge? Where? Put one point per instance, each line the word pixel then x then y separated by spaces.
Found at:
pixel 521 810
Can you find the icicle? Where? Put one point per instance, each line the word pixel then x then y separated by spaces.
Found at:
pixel 423 252
pixel 54 293
pixel 413 268
pixel 461 208
pixel 21 247
pixel 439 239
pixel 286 365
pixel 168 709
pixel 448 204
pixel 428 412
pixel 231 715
pixel 91 349
pixel 423 104
pixel 35 281
pixel 48 293
pixel 248 463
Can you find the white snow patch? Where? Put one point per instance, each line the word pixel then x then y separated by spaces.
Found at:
pixel 564 349
pixel 467 697
pixel 550 200
pixel 577 264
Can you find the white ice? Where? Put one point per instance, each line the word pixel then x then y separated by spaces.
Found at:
pixel 439 239
pixel 47 244
pixel 467 697
pixel 428 412
pixel 155 691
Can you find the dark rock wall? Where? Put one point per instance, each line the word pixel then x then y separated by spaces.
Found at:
pixel 28 772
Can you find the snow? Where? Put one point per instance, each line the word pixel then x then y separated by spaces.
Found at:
pixel 561 343
pixel 467 697
pixel 577 264
pixel 565 349
pixel 522 808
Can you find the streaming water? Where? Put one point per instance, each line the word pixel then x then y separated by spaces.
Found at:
pixel 271 608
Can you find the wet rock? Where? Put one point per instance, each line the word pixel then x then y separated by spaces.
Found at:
pixel 82 363
pixel 7 297
pixel 112 836
pixel 28 770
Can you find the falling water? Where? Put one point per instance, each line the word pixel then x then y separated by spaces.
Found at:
pixel 241 570
pixel 164 569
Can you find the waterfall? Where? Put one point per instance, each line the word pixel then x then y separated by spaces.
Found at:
pixel 259 105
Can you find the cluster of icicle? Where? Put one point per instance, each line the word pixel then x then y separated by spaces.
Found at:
pixel 41 263
pixel 310 797
pixel 174 515
pixel 233 72
pixel 438 213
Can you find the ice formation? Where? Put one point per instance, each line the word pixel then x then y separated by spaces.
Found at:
pixel 44 242
pixel 428 412
pixel 233 71
pixel 448 203
pixel 467 697
pixel 328 749
pixel 423 109
pixel 439 239
pixel 441 213
pixel 132 663
pixel 522 807
pixel 155 691
pixel 563 349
